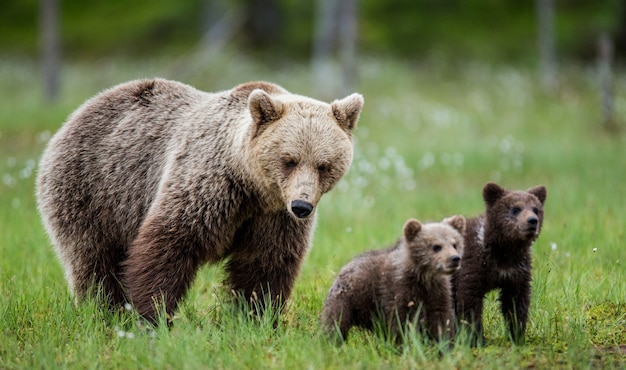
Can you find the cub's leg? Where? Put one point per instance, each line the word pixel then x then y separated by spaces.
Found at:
pixel 514 304
pixel 336 319
pixel 470 313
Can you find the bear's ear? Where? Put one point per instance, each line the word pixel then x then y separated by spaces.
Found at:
pixel 347 111
pixel 457 222
pixel 540 192
pixel 492 192
pixel 263 108
pixel 411 228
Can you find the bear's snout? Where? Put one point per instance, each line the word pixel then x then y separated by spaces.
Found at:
pixel 301 208
pixel 455 261
pixel 531 227
pixel 450 264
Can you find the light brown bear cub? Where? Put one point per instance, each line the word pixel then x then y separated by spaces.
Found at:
pixel 152 179
pixel 497 256
pixel 408 282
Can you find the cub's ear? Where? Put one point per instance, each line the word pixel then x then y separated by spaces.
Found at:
pixel 263 108
pixel 492 192
pixel 411 228
pixel 347 111
pixel 457 222
pixel 540 192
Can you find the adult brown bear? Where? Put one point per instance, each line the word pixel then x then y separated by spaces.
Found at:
pixel 149 180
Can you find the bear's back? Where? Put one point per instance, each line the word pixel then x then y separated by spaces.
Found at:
pixel 111 153
pixel 474 237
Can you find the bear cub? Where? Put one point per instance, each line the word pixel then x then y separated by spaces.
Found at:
pixel 497 256
pixel 406 283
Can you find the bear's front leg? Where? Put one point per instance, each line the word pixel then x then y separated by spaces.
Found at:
pixel 469 310
pixel 161 264
pixel 440 323
pixel 515 303
pixel 336 318
pixel 266 256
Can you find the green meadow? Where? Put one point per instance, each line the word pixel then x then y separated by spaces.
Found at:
pixel 430 136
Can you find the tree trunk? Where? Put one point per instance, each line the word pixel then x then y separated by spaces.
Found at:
pixel 220 23
pixel 605 71
pixel 264 23
pixel 620 33
pixel 334 47
pixel 323 45
pixel 547 52
pixel 347 43
pixel 50 46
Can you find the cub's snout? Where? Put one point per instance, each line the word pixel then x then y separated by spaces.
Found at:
pixel 455 262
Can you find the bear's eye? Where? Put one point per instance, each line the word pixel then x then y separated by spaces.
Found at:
pixel 454 245
pixel 290 163
pixel 322 168
pixel 536 210
pixel 436 248
pixel 516 211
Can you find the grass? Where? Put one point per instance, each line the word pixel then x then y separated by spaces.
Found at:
pixel 430 136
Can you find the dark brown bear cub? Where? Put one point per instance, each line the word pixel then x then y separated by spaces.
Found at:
pixel 408 282
pixel 497 256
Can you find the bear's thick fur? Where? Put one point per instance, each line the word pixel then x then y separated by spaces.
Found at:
pixel 408 282
pixel 497 256
pixel 151 179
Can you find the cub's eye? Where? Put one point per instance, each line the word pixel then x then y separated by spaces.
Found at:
pixel 436 248
pixel 516 210
pixel 536 210
pixel 454 245
pixel 290 163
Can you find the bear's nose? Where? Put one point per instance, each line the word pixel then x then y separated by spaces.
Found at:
pixel 455 260
pixel 301 208
pixel 532 220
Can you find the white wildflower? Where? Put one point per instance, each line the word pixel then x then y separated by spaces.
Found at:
pixel 384 163
pixel 428 160
pixel 43 136
pixel 120 333
pixel 505 145
pixel 25 173
pixel 8 180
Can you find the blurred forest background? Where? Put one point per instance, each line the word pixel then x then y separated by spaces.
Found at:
pixel 542 32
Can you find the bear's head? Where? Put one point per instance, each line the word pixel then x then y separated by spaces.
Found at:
pixel 517 215
pixel 435 247
pixel 300 147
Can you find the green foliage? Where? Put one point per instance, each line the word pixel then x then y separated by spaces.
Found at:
pixel 606 323
pixel 504 30
pixel 430 136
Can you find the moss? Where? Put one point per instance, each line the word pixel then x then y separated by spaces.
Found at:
pixel 606 324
